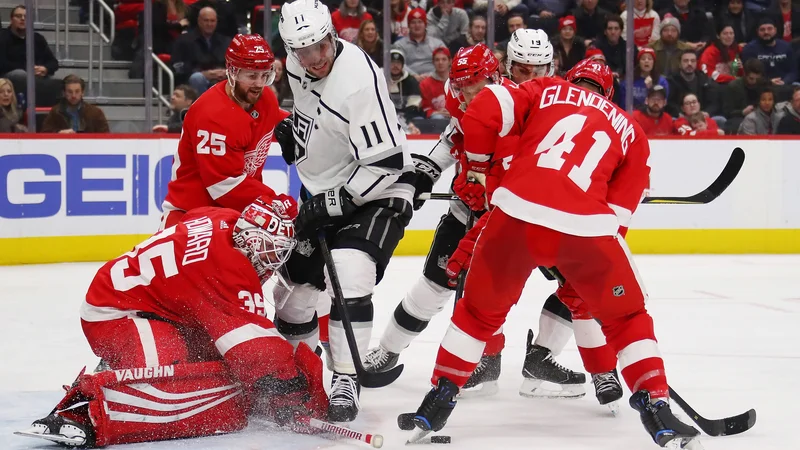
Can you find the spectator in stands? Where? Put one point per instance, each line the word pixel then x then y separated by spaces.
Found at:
pixel 182 98
pixel 545 13
pixel 720 59
pixel 13 59
pixel 348 19
pixel 432 88
pixel 400 12
pixel 280 86
pixel 475 35
pixel 515 22
pixel 590 20
pixel 568 46
pixel 11 117
pixel 652 117
pixel 169 22
pixel 787 20
pixel 644 78
pixel 199 55
pixel 790 120
pixel 757 7
pixel 447 22
pixel 418 47
pixel 226 16
pixel 690 80
pixel 646 23
pixel 763 119
pixel 596 54
pixel 370 41
pixel 613 46
pixel 502 9
pixel 404 88
pixel 72 114
pixel 690 105
pixel 501 58
pixel 742 20
pixel 668 48
pixel 777 55
pixel 694 26
pixel 742 94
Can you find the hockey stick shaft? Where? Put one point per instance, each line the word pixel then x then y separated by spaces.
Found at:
pixel 375 440
pixel 367 379
pixel 462 276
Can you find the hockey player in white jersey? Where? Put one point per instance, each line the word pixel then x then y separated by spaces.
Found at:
pixel 356 171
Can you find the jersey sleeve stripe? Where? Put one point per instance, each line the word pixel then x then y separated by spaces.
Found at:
pixel 506 107
pixel 148 341
pixel 91 313
pixel 623 214
pixel 243 334
pixel 223 187
pixel 390 159
pixel 363 194
pixel 378 97
pixel 332 111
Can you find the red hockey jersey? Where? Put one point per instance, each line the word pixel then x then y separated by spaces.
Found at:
pixel 222 151
pixel 581 164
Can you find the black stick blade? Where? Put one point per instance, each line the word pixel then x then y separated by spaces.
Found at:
pixel 379 379
pixel 716 427
pixel 739 424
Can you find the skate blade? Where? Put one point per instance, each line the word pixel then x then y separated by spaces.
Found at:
pixel 57 438
pixel 684 444
pixel 613 408
pixel 533 388
pixel 486 389
pixel 419 435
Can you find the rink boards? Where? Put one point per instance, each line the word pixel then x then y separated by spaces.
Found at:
pixel 91 199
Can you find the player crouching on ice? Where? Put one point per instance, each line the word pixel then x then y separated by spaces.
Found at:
pixel 180 320
pixel 577 177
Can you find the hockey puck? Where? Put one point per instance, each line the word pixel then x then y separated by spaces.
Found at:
pixel 440 439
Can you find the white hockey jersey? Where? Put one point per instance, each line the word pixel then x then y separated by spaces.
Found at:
pixel 346 130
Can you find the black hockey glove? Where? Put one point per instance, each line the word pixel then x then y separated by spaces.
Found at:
pixel 285 136
pixel 426 174
pixel 324 208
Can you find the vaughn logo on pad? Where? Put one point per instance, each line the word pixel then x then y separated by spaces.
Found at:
pixel 142 373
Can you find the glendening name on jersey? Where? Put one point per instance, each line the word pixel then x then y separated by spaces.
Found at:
pixel 346 129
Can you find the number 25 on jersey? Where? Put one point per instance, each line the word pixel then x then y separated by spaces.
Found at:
pixel 213 143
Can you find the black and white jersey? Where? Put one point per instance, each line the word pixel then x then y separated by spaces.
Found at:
pixel 347 131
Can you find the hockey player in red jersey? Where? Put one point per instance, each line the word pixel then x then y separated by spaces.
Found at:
pixel 578 175
pixel 226 136
pixel 180 320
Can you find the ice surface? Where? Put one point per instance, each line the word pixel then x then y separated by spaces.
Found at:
pixel 728 327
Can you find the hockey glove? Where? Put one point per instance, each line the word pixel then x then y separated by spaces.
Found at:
pixel 285 137
pixel 462 256
pixel 289 204
pixel 324 208
pixel 426 174
pixel 472 193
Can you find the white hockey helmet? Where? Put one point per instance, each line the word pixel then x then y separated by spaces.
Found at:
pixel 304 23
pixel 531 47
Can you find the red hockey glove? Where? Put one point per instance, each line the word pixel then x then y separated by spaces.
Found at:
pixel 472 193
pixel 289 204
pixel 462 256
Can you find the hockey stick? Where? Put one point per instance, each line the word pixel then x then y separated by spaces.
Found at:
pixel 375 440
pixel 365 378
pixel 725 178
pixel 717 427
pixel 462 276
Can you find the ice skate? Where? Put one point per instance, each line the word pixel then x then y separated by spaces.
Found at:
pixel 608 390
pixel 436 407
pixel 60 430
pixel 483 381
pixel 379 359
pixel 546 378
pixel 659 422
pixel 344 394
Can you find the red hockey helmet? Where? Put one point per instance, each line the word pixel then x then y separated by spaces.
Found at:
pixel 249 52
pixel 265 234
pixel 593 72
pixel 471 65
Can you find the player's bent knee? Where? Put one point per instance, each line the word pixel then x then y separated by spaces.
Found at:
pixel 298 306
pixel 426 299
pixel 356 271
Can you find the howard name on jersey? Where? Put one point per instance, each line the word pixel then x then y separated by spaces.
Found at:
pixel 582 163
pixel 222 151
pixel 200 249
pixel 346 129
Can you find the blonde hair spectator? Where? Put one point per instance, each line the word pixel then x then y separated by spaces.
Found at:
pixel 10 115
pixel 370 41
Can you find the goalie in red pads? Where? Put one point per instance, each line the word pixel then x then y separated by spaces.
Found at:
pixel 578 175
pixel 180 320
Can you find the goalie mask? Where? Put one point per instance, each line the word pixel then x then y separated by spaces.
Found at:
pixel 265 234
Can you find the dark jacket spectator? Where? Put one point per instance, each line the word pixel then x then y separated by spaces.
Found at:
pixel 226 16
pixel 669 48
pixel 72 114
pixel 475 35
pixel 199 57
pixel 783 13
pixel 690 80
pixel 790 118
pixel 166 28
pixel 569 48
pixel 12 52
pixel 777 55
pixel 694 23
pixel 742 94
pixel 182 98
pixel 742 20
pixel 369 41
pixel 404 89
pixel 447 22
pixel 590 19
pixel 613 46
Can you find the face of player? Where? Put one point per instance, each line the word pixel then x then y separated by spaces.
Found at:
pixel 469 92
pixel 250 84
pixel 766 102
pixel 73 94
pixel 613 32
pixel 727 36
pixel 501 58
pixel 317 59
pixel 521 73
pixel 6 95
pixel 646 63
pixel 567 33
pixel 690 105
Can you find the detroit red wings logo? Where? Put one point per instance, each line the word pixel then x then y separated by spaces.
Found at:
pixel 254 159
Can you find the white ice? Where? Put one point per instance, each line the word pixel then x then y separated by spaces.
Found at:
pixel 728 328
